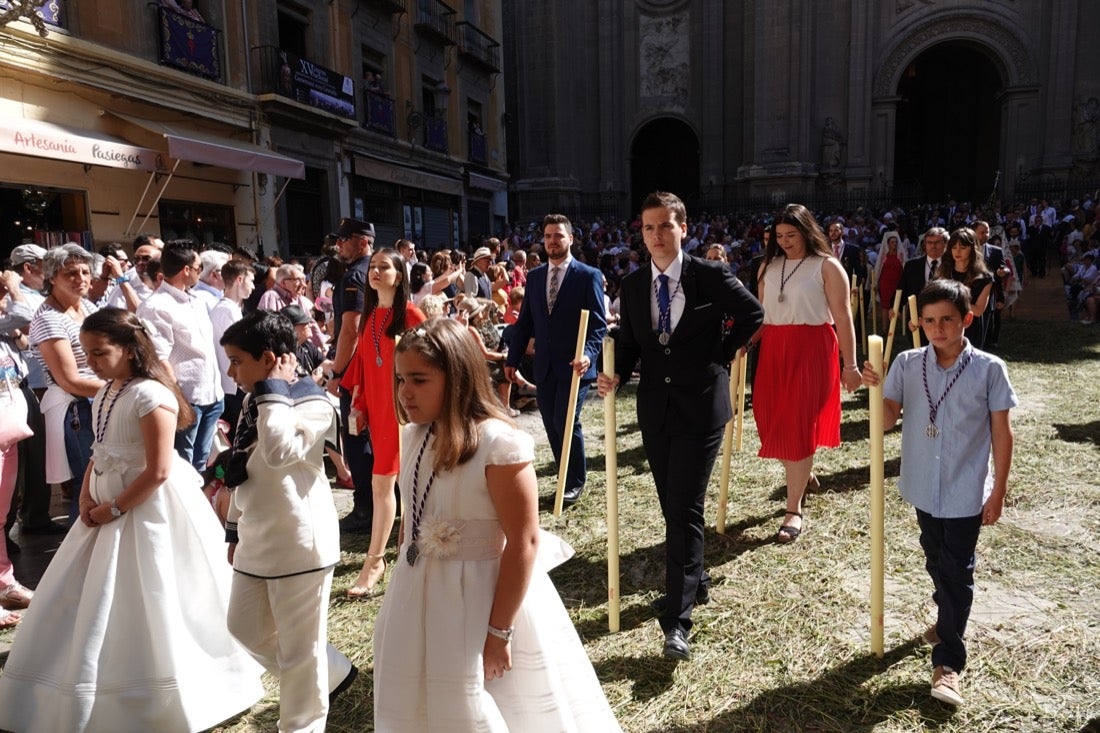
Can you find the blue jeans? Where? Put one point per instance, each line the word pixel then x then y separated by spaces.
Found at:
pixel 79 436
pixel 193 444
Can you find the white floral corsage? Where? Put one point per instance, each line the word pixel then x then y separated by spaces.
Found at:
pixel 440 538
pixel 106 462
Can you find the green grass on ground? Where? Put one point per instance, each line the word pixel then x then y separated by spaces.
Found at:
pixel 784 645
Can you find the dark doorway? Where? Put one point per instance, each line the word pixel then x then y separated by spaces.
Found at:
pixel 948 137
pixel 306 212
pixel 664 157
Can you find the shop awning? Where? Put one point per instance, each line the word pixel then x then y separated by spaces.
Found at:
pixel 60 142
pixel 198 147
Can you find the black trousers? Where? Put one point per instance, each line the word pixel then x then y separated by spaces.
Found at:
pixel 949 558
pixel 681 466
pixel 359 456
pixel 31 502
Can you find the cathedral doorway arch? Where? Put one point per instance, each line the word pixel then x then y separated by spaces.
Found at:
pixel 947 136
pixel 664 157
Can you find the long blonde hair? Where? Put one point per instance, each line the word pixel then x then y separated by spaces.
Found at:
pixel 469 398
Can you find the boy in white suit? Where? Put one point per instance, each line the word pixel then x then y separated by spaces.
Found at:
pixel 283 531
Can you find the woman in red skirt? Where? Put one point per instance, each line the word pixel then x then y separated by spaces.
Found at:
pixel 796 393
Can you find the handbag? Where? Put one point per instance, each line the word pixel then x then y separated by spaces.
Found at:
pixel 13 415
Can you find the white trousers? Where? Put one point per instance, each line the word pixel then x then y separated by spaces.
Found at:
pixel 283 623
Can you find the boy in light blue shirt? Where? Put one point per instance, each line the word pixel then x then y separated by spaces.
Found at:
pixel 957 401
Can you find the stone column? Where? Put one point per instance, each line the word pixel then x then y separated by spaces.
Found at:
pixel 884 114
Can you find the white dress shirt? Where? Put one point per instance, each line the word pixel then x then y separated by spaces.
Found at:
pixel 183 322
pixel 676 293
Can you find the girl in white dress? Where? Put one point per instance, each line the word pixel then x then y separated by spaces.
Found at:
pixel 472 634
pixel 128 631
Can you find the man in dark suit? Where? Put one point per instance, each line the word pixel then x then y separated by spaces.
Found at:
pixel 995 261
pixel 848 254
pixel 685 318
pixel 917 272
pixel 556 294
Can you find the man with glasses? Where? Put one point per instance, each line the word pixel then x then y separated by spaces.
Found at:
pixel 355 240
pixel 182 321
pixel 919 271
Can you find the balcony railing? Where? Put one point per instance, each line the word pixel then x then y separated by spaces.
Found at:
pixel 435 19
pixel 281 72
pixel 50 12
pixel 479 147
pixel 435 134
pixel 475 44
pixel 188 44
pixel 381 114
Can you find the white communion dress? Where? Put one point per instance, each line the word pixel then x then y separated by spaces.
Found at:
pixel 430 632
pixel 127 629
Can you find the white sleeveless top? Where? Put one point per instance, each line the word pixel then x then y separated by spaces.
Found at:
pixel 804 302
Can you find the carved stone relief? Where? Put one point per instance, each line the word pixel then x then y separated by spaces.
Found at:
pixel 664 59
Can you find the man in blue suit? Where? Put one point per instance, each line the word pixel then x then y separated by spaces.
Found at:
pixel 557 292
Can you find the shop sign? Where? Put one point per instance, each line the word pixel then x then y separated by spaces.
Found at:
pixel 47 140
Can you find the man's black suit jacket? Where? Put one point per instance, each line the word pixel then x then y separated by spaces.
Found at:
pixel 684 386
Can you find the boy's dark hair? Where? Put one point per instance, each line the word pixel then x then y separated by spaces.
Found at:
pixel 175 257
pixel 261 331
pixel 233 269
pixel 945 291
pixel 670 201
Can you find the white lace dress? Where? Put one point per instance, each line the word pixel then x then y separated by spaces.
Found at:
pixel 430 633
pixel 127 630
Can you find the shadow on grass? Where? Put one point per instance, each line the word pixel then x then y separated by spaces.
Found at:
pixel 836 694
pixel 857 478
pixel 1080 433
pixel 1034 342
pixel 650 676
pixel 642 571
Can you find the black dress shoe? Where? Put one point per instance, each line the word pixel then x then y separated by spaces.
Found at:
pixel 572 496
pixel 44 528
pixel 344 685
pixel 356 523
pixel 676 645
pixel 702 598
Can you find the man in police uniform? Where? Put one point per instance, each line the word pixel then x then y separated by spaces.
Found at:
pixel 355 240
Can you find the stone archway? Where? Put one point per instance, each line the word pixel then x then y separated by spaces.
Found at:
pixel 664 157
pixel 948 125
pixel 1009 90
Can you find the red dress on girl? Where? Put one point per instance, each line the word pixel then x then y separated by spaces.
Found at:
pixel 369 376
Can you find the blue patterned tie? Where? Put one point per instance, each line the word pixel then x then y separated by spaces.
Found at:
pixel 664 309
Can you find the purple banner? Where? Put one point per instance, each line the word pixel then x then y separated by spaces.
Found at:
pixel 188 44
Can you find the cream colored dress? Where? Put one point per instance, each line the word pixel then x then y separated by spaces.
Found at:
pixel 430 633
pixel 127 630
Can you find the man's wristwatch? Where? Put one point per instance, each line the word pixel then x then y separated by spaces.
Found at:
pixel 115 511
pixel 505 634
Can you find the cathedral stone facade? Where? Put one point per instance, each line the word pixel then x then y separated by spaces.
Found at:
pixel 747 102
